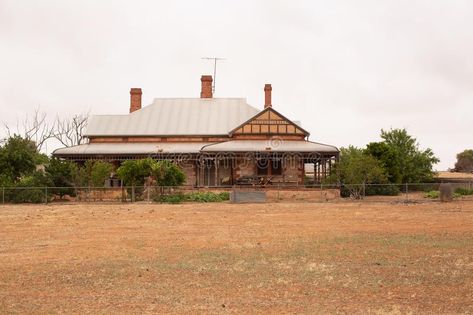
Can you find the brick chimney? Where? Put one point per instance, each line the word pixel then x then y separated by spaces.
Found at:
pixel 206 91
pixel 135 99
pixel 267 95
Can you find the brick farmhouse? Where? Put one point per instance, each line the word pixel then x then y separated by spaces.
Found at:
pixel 217 141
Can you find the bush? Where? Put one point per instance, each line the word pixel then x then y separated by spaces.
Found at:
pixel 463 191
pixel 433 194
pixel 208 196
pixel 194 197
pixel 27 189
pixel 382 190
pixel 174 198
pixel 167 173
pixel 61 174
pixel 133 172
pixel 100 171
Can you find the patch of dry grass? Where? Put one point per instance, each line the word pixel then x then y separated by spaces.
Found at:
pixel 223 258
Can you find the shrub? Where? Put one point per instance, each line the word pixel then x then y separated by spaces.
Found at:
pixel 433 194
pixel 27 189
pixel 100 171
pixel 174 198
pixel 133 172
pixel 167 173
pixel 382 190
pixel 193 197
pixel 463 191
pixel 208 196
pixel 61 174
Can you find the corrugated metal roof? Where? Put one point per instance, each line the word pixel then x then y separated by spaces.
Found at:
pixel 176 116
pixel 274 145
pixel 132 148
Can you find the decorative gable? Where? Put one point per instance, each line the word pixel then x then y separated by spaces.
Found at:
pixel 269 122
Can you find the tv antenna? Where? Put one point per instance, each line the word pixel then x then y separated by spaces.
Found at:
pixel 215 59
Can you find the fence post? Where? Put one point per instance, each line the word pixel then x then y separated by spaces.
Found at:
pixel 3 194
pixel 46 194
pixel 132 193
pixel 407 192
pixel 321 193
pixel 364 190
pixel 148 188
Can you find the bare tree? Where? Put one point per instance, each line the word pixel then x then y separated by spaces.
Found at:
pixel 70 131
pixel 34 128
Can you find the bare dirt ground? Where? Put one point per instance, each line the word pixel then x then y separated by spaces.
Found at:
pixel 365 258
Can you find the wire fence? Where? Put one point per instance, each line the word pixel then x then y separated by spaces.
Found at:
pixel 409 192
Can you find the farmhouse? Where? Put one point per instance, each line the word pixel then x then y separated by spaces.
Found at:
pixel 217 141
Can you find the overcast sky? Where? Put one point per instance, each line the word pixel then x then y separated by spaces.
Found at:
pixel 345 69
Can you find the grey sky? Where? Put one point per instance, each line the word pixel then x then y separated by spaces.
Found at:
pixel 345 69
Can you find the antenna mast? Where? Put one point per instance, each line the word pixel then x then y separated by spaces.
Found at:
pixel 215 59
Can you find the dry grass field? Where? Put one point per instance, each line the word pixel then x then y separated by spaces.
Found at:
pixel 365 258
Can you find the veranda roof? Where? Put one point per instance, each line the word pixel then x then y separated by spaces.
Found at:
pixel 272 145
pixel 131 148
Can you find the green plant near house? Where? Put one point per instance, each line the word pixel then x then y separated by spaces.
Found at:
pixel 464 191
pixel 208 196
pixel 199 196
pixel 433 194
pixel 100 171
pixel 31 189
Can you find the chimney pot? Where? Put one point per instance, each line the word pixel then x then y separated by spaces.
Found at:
pixel 267 95
pixel 206 91
pixel 135 99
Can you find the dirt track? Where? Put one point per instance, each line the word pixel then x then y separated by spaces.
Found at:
pixel 223 258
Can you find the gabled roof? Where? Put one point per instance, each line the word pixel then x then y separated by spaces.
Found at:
pixel 272 116
pixel 176 117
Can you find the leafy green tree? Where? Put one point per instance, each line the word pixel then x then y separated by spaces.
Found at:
pixel 386 156
pixel 61 173
pixel 464 161
pixel 355 169
pixel 31 189
pixel 133 172
pixel 167 173
pixel 99 172
pixel 400 155
pixel 17 158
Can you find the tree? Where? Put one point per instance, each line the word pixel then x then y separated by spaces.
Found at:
pixel 404 162
pixel 70 131
pixel 33 128
pixel 61 173
pixel 464 161
pixel 355 169
pixel 18 157
pixel 386 155
pixel 99 172
pixel 133 172
pixel 167 173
